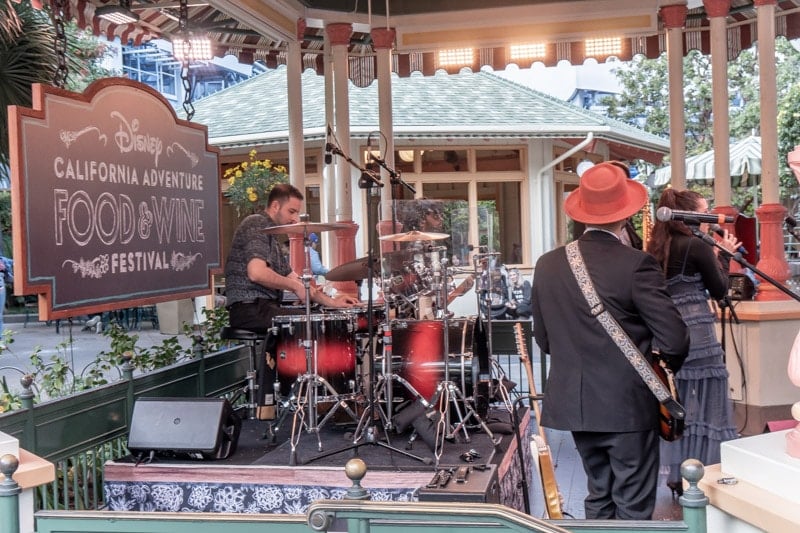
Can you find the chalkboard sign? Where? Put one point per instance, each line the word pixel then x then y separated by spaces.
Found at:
pixel 115 201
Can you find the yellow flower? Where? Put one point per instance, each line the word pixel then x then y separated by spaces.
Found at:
pixel 253 154
pixel 244 165
pixel 281 168
pixel 239 174
pixel 231 180
pixel 267 163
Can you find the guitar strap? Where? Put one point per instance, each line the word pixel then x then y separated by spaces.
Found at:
pixel 618 335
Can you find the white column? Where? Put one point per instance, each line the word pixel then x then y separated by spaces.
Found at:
pixel 383 40
pixel 339 35
pixel 717 11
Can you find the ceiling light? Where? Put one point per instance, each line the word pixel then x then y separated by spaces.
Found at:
pixel 117 14
pixel 192 48
pixel 188 46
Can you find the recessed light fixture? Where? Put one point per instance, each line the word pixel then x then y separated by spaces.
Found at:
pixel 117 14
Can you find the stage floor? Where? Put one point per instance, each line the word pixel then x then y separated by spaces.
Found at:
pixel 261 476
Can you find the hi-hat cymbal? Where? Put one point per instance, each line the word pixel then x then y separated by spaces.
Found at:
pixel 414 236
pixel 352 271
pixel 305 227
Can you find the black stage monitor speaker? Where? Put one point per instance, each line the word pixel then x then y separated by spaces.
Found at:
pixel 199 428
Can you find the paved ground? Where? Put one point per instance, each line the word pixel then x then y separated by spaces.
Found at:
pixel 78 346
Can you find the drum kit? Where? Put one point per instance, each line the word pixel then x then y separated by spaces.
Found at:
pixel 375 361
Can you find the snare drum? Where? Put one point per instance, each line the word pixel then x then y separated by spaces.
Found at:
pixel 418 345
pixel 333 353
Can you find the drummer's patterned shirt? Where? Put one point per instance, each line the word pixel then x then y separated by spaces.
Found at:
pixel 250 242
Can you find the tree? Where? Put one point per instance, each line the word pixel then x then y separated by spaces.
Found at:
pixel 644 100
pixel 27 57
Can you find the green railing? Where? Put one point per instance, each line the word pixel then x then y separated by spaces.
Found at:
pixel 353 514
pixel 80 432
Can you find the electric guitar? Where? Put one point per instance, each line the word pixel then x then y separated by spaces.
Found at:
pixel 462 289
pixel 539 448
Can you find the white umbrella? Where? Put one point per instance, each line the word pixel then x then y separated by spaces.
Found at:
pixel 745 164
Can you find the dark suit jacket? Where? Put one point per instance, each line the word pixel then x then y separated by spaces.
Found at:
pixel 591 385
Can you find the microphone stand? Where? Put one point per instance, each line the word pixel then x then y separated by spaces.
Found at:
pixel 366 425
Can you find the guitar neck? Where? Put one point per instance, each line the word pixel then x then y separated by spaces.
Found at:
pixel 522 348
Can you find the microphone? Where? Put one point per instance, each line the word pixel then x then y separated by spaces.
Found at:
pixel 432 248
pixel 721 232
pixel 328 147
pixel 665 214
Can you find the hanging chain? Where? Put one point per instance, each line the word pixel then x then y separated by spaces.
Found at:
pixel 187 90
pixel 183 31
pixel 59 43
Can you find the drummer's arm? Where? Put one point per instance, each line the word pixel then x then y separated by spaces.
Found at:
pixel 259 272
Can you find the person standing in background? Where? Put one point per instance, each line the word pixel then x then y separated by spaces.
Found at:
pixel 693 271
pixel 317 268
pixel 7 268
pixel 593 391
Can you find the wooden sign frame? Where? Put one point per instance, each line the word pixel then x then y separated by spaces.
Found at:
pixel 115 200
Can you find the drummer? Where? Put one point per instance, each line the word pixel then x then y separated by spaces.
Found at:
pixel 256 274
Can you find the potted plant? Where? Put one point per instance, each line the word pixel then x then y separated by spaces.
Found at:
pixel 250 182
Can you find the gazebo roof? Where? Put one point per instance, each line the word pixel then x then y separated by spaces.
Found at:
pixel 465 108
pixel 260 30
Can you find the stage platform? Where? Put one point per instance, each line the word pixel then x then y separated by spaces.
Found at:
pixel 259 478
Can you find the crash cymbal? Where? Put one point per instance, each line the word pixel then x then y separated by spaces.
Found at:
pixel 305 228
pixel 414 236
pixel 352 271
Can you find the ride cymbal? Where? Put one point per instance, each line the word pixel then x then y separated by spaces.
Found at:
pixel 352 271
pixel 414 236
pixel 305 228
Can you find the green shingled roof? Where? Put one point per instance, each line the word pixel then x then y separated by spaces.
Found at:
pixel 465 105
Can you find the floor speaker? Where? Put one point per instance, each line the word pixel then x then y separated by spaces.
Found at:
pixel 200 428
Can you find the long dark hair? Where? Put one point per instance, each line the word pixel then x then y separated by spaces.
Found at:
pixel 661 236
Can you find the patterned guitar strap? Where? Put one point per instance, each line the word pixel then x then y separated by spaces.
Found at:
pixel 618 335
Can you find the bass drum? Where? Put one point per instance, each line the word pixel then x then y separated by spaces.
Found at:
pixel 333 351
pixel 419 352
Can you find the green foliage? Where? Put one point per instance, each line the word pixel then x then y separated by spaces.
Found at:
pixel 208 334
pixel 788 134
pixel 27 56
pixel 56 377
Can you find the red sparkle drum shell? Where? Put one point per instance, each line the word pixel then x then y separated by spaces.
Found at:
pixel 333 350
pixel 419 345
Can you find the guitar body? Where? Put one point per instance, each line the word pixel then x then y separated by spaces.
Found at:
pixel 670 427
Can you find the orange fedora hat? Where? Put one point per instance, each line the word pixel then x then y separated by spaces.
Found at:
pixel 605 195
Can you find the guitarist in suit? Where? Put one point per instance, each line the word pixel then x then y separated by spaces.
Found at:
pixel 593 391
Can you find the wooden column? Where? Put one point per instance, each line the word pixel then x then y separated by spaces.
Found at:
pixel 771 214
pixel 339 34
pixel 674 17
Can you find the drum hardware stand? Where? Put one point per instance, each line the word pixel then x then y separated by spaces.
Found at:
pixel 366 432
pixel 483 292
pixel 307 394
pixel 447 393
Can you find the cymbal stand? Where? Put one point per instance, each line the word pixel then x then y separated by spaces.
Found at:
pixel 307 395
pixel 366 432
pixel 448 395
